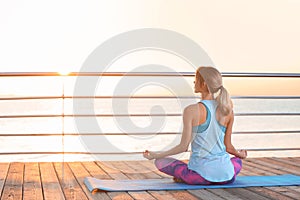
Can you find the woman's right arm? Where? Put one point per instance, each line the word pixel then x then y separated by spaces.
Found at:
pixel 185 138
pixel 227 140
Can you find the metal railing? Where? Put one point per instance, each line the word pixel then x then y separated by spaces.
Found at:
pixel 113 74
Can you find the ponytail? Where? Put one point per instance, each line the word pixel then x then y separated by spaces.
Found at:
pixel 213 79
pixel 223 100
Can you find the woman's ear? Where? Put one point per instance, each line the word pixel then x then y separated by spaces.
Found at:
pixel 204 86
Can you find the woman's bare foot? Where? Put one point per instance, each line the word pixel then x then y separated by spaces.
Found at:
pixel 177 180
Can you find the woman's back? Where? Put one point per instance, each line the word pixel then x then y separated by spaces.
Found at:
pixel 200 115
pixel 209 157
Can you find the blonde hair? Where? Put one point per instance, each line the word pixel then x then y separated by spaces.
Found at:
pixel 213 79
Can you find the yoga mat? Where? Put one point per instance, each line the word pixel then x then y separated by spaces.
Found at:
pixel 168 184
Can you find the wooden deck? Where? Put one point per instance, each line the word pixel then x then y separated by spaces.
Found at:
pixel 65 180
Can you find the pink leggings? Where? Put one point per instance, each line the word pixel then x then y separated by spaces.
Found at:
pixel 179 170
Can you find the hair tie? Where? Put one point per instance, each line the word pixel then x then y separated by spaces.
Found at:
pixel 217 93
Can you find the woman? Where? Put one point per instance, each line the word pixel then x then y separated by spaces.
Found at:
pixel 207 125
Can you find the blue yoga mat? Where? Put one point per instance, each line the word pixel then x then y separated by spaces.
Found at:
pixel 168 184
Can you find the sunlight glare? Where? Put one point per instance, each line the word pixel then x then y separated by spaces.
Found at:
pixel 64 72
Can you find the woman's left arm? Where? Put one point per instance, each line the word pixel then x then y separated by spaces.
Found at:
pixel 184 142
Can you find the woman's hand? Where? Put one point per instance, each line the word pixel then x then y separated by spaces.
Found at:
pixel 242 154
pixel 150 155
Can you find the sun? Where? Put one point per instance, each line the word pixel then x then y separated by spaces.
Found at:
pixel 64 72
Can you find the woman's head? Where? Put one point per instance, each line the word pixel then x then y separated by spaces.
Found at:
pixel 211 80
pixel 211 77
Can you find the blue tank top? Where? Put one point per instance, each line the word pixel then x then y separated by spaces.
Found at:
pixel 209 157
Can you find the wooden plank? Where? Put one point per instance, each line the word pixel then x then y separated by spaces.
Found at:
pixel 246 194
pixel 183 195
pixel 271 164
pixel 50 183
pixel 3 174
pixel 293 192
pixel 113 173
pixel 68 182
pixel 95 170
pixel 162 195
pixel 205 194
pixel 119 196
pixel 257 192
pixel 80 173
pixel 286 166
pixel 270 192
pixel 292 161
pixel 295 159
pixel 134 170
pixel 256 170
pixel 224 194
pixel 285 192
pixel 246 171
pixel 141 195
pixel 129 173
pixel 14 181
pixel 32 188
pixel 288 161
pixel 241 193
pixel 147 168
pixel 272 171
pixel 149 164
pixel 260 166
pixel 98 172
pixel 140 168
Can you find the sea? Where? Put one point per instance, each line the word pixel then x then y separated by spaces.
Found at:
pixel 40 121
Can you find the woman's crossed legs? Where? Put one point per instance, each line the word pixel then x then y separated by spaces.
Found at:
pixel 179 170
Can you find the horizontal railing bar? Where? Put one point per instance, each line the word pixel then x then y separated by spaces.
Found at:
pixel 66 152
pixel 29 116
pixel 87 115
pixel 139 97
pixel 14 74
pixel 85 134
pixel 32 98
pixel 100 97
pixel 273 149
pixel 137 134
pixel 265 97
pixel 266 114
pixel 137 115
pixel 24 74
pixel 266 132
pixel 224 74
pixel 128 153
pixel 260 75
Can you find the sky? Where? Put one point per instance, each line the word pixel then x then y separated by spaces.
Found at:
pixel 237 35
pixel 59 36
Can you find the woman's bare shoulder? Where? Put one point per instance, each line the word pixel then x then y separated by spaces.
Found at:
pixel 194 108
